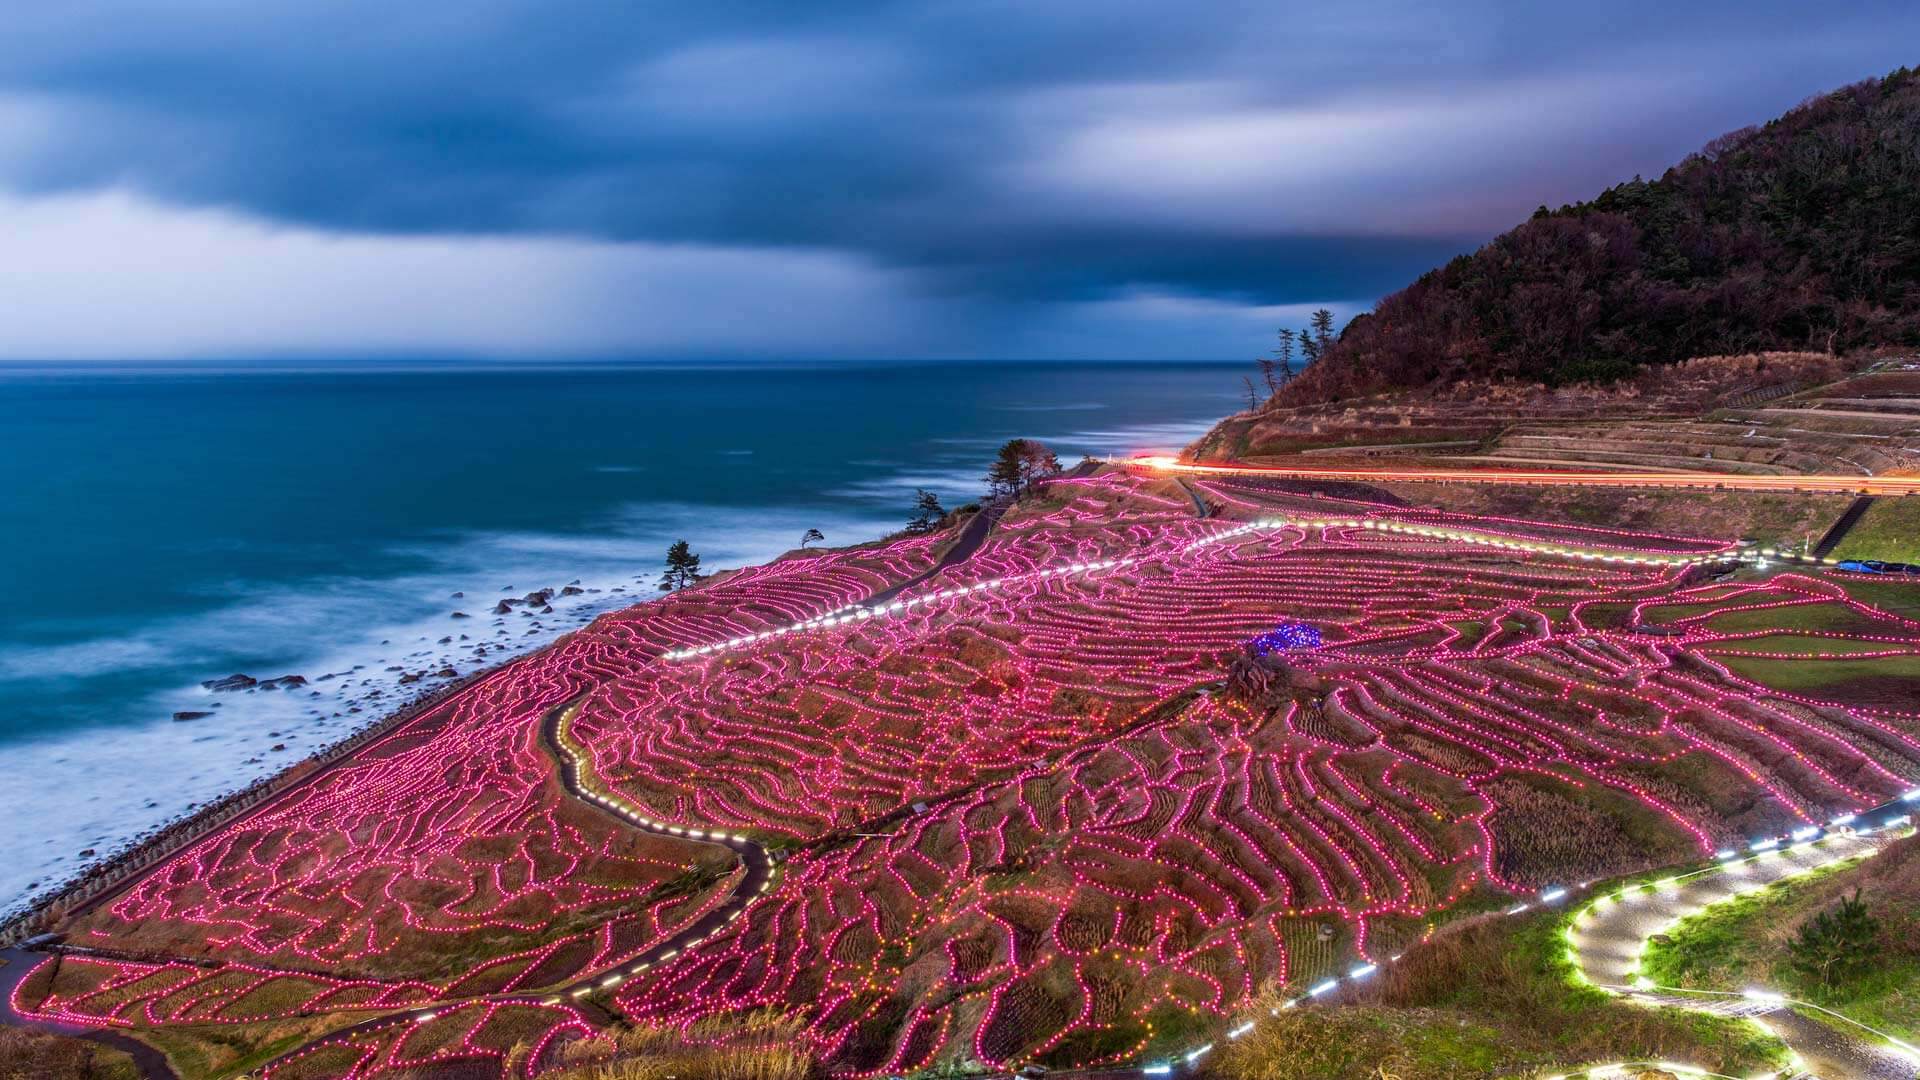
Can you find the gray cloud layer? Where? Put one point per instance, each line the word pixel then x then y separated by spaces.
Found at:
pixel 978 177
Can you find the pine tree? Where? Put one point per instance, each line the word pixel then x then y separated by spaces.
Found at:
pixel 1284 353
pixel 927 513
pixel 683 567
pixel 1309 348
pixel 1020 464
pixel 1322 331
pixel 1003 478
pixel 1834 944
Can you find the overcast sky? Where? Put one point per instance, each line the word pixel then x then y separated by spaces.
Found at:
pixel 1041 178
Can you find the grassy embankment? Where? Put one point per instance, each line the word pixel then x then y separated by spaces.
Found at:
pixel 33 1055
pixel 1890 531
pixel 1492 999
pixel 1744 942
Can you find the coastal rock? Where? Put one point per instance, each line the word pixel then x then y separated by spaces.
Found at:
pixel 411 677
pixel 459 595
pixel 235 681
pixel 538 597
pixel 504 607
pixel 191 714
pixel 572 590
pixel 447 673
pixel 548 610
pixel 459 615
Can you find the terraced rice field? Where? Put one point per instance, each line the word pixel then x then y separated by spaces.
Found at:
pixel 1023 818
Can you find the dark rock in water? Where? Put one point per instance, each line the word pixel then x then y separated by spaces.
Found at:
pixel 459 595
pixel 447 673
pixel 446 640
pixel 504 607
pixel 459 615
pixel 192 714
pixel 575 581
pixel 232 682
pixel 278 746
pixel 548 610
pixel 538 597
pixel 411 677
pixel 86 853
pixel 572 590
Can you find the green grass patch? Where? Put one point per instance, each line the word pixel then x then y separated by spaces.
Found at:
pixel 1889 530
pixel 1832 618
pixel 1898 597
pixel 1820 676
pixel 1798 643
pixel 1743 942
pixel 1494 998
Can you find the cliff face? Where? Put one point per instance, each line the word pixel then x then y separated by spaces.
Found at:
pixel 1802 233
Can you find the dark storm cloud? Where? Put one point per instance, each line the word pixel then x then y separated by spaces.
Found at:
pixel 1072 150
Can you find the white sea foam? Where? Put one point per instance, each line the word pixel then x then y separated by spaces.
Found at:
pixel 105 785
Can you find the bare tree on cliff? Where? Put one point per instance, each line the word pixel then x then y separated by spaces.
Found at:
pixel 1253 399
pixel 683 567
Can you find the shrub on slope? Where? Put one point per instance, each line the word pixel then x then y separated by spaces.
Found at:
pixel 1804 232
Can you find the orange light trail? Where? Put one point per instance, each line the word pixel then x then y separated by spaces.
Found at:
pixel 1808 484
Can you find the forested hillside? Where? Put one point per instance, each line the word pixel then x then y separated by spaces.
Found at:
pixel 1802 233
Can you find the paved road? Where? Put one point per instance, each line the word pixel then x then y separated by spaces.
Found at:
pixel 19 963
pixel 1610 937
pixel 1838 531
pixel 972 535
pixel 1812 484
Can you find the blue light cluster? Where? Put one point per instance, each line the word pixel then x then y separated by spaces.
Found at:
pixel 1284 637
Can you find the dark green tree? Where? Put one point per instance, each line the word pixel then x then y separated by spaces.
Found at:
pixel 927 513
pixel 1322 331
pixel 1284 353
pixel 1020 464
pixel 683 567
pixel 811 536
pixel 1835 944
pixel 1309 348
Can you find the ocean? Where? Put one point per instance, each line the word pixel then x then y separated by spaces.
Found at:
pixel 161 528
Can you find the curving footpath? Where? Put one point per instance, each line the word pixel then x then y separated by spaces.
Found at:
pixel 756 862
pixel 16 964
pixel 1610 935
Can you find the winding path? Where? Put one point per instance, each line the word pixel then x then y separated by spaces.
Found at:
pixel 18 964
pixel 1610 935
pixel 757 862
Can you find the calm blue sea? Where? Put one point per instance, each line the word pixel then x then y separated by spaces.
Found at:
pixel 160 528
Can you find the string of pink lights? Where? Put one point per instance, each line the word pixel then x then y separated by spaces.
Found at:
pixel 1074 853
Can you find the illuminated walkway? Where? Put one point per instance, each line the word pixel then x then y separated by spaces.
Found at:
pixel 1611 934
